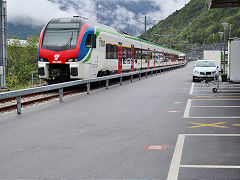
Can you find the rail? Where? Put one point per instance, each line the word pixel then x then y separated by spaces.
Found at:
pixel 60 86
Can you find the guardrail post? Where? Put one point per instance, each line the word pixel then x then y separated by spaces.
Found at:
pixel 61 94
pixel 19 105
pixel 139 76
pixel 120 80
pixel 131 78
pixel 88 88
pixel 107 83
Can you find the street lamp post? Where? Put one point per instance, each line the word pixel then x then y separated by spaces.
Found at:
pixel 221 35
pixel 225 24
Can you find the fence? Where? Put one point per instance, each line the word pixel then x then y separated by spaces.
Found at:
pixel 60 86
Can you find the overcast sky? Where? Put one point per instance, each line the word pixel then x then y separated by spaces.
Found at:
pixel 39 12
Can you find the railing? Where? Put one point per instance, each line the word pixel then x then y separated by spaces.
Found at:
pixel 60 86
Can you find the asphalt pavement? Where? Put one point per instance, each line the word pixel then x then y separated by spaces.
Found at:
pixel 161 127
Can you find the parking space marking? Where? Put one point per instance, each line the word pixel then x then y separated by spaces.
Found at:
pixel 216 106
pixel 209 125
pixel 214 96
pixel 187 109
pixel 210 166
pixel 192 88
pixel 216 99
pixel 174 167
pixel 176 160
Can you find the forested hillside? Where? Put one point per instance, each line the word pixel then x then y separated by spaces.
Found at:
pixel 195 24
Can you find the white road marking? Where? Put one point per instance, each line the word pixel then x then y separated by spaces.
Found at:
pixel 216 106
pixel 176 160
pixel 215 99
pixel 210 166
pixel 187 109
pixel 174 167
pixel 217 117
pixel 191 90
pixel 211 134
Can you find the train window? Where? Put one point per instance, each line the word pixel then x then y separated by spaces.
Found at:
pixel 160 56
pixel 124 53
pixel 144 54
pixel 137 53
pixel 150 54
pixel 111 51
pixel 91 41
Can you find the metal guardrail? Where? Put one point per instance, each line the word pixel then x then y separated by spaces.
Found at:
pixel 60 86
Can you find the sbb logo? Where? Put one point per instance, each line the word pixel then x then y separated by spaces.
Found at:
pixel 56 56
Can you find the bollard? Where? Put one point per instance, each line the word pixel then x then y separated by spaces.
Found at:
pixel 151 73
pixel 88 88
pixel 107 83
pixel 19 105
pixel 146 74
pixel 120 80
pixel 139 76
pixel 61 94
pixel 131 78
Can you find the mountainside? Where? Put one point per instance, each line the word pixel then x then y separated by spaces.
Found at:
pixel 194 24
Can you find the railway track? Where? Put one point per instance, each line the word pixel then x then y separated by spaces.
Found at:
pixel 10 104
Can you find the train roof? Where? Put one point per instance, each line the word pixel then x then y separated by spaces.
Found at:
pixel 105 28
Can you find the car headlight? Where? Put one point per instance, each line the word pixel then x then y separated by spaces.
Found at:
pixel 196 72
pixel 72 59
pixel 43 59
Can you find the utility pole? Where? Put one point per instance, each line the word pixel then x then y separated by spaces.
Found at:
pixel 230 31
pixel 145 34
pixel 3 42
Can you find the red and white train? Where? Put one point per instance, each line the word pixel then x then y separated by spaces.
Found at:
pixel 74 48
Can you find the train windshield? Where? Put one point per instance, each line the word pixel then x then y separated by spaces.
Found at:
pixel 61 36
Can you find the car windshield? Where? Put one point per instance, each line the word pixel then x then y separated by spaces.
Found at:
pixel 61 36
pixel 205 64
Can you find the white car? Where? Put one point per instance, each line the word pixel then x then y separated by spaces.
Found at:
pixel 205 69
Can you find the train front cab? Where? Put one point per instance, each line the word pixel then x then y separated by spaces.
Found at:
pixel 63 46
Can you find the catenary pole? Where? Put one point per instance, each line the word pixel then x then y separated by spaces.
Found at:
pixel 3 42
pixel 145 34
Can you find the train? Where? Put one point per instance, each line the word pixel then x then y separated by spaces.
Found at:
pixel 75 48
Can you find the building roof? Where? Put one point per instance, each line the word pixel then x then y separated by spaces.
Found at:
pixel 224 3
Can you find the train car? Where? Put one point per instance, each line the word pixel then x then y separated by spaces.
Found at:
pixel 75 48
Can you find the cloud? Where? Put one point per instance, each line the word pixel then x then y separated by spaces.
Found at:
pixel 121 14
pixel 33 12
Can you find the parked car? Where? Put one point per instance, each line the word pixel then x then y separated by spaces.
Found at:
pixel 205 69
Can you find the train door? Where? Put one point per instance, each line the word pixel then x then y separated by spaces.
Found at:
pixel 120 58
pixel 141 56
pixel 163 58
pixel 148 58
pixel 132 58
pixel 154 57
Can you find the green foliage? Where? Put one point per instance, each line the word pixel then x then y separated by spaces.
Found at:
pixel 195 24
pixel 22 59
pixel 12 80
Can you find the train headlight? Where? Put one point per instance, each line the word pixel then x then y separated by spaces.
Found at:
pixel 72 59
pixel 43 59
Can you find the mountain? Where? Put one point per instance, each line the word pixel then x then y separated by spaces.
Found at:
pixel 23 31
pixel 194 24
